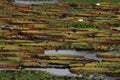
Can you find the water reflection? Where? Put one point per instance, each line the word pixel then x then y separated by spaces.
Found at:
pixel 66 72
pixel 57 72
pixel 86 54
pixel 35 2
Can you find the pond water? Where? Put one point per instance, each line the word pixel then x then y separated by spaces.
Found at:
pixel 35 2
pixel 86 54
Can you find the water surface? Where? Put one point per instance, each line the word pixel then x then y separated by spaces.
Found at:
pixel 57 72
pixel 86 54
pixel 35 2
